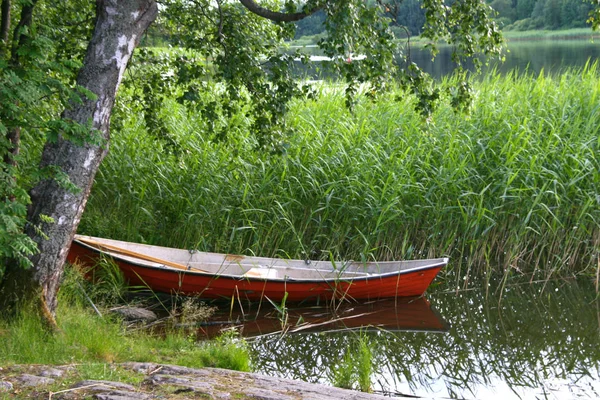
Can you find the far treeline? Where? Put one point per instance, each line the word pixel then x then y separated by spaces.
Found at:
pixel 519 15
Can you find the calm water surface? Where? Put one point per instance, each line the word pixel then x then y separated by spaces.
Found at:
pixel 549 56
pixel 533 341
pixel 534 56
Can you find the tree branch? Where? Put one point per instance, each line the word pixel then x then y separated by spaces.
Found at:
pixel 253 7
pixel 19 36
pixel 221 21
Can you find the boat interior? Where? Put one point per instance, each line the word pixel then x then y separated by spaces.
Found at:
pixel 248 266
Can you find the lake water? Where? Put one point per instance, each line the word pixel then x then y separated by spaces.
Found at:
pixel 551 56
pixel 539 340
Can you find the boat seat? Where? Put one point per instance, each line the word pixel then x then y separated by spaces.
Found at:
pixel 256 272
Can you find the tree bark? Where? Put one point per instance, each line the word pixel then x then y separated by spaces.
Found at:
pixel 119 27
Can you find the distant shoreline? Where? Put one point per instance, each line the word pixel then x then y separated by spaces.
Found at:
pixel 510 36
pixel 569 34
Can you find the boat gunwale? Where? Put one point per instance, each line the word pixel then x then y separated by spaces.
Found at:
pixel 436 263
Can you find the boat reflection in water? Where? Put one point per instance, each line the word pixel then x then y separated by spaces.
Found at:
pixel 399 314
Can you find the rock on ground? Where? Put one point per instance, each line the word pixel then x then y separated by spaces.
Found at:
pixel 160 381
pixel 6 386
pixel 135 314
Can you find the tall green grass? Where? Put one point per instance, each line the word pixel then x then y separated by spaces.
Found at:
pixel 514 186
pixel 87 338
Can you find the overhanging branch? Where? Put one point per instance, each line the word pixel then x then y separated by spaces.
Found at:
pixel 253 7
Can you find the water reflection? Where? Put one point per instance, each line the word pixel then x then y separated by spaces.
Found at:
pixel 531 341
pixel 401 314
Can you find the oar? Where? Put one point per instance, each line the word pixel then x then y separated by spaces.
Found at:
pixel 125 252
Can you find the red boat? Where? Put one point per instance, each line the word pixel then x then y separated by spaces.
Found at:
pixel 212 275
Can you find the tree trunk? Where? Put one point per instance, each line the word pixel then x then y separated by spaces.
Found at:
pixel 119 27
pixel 4 24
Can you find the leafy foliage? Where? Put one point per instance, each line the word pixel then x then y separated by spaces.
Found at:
pixel 354 28
pixel 594 16
pixel 37 72
pixel 232 56
pixel 14 244
pixel 231 53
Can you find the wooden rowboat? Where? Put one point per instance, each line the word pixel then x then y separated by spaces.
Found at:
pixel 212 275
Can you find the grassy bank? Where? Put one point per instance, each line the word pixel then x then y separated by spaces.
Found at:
pixel 90 340
pixel 514 186
pixel 87 338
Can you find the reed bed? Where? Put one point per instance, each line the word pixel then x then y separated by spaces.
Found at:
pixel 512 187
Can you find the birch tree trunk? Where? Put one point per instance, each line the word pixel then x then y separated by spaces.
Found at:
pixel 119 27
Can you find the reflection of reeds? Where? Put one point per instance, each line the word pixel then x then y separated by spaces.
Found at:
pixel 403 314
pixel 534 337
pixel 513 186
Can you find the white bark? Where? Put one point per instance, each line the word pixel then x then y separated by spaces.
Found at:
pixel 119 26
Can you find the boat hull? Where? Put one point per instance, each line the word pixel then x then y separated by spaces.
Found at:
pixel 212 286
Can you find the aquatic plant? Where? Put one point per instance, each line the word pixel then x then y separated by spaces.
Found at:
pixel 511 188
pixel 282 311
pixel 355 369
pixel 343 373
pixel 364 364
